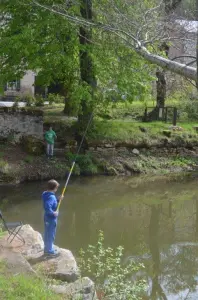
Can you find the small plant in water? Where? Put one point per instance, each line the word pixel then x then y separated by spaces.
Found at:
pixel 111 277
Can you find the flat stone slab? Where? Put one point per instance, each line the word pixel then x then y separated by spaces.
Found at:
pixel 81 289
pixel 63 267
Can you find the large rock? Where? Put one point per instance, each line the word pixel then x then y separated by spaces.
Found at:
pixel 82 288
pixel 33 242
pixel 63 267
pixel 14 263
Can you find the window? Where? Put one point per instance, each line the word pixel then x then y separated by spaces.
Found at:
pixel 13 85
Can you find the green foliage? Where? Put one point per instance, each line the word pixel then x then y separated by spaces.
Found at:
pixel 84 163
pixel 23 287
pixel 55 98
pixel 30 100
pixel 32 145
pixel 179 161
pixel 106 268
pixel 39 101
pixel 34 39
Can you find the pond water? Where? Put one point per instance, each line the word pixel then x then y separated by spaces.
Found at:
pixel 155 220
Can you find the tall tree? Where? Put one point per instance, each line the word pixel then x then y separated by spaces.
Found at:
pixel 140 26
pixel 169 7
pixel 62 55
pixel 86 62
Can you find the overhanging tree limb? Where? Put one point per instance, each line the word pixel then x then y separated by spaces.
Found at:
pixel 130 39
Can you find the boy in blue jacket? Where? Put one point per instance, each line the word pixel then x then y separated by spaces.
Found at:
pixel 50 203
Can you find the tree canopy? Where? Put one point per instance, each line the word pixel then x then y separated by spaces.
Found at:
pixel 138 25
pixel 37 39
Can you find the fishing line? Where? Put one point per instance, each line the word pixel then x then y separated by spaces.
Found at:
pixel 74 161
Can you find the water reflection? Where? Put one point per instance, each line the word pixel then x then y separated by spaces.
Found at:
pixel 155 221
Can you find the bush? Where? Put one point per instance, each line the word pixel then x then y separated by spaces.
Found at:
pixel 30 100
pixel 32 145
pixel 189 110
pixel 39 101
pixel 55 98
pixel 112 278
pixel 84 162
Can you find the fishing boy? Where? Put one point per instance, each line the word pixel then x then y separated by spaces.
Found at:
pixel 50 135
pixel 50 204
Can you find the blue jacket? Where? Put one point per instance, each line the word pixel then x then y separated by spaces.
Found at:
pixel 50 203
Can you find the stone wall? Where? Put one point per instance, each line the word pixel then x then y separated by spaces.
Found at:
pixel 20 122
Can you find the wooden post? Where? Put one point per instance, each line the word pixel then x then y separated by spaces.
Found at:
pixel 174 116
pixel 166 114
pixel 145 115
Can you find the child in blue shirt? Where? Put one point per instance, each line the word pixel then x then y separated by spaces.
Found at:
pixel 50 203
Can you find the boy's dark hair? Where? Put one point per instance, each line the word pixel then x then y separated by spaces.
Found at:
pixel 52 184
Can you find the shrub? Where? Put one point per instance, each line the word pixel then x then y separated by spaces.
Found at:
pixel 55 98
pixel 112 278
pixel 84 162
pixel 29 100
pixel 39 100
pixel 32 145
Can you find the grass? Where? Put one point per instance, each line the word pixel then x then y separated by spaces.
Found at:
pixel 119 130
pixel 23 287
pixel 121 124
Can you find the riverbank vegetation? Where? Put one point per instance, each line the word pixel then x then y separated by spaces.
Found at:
pixel 22 287
pixel 112 277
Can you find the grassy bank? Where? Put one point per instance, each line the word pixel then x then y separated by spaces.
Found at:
pixel 120 123
pixel 110 144
pixel 22 287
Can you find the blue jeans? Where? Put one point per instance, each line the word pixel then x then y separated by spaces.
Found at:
pixel 49 234
pixel 50 149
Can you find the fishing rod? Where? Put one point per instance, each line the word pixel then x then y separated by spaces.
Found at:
pixel 74 162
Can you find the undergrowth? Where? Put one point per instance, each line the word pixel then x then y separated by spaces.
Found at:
pixel 85 164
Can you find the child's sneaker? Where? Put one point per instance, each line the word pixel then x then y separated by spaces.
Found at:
pixel 53 253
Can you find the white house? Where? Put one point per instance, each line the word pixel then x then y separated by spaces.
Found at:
pixel 20 87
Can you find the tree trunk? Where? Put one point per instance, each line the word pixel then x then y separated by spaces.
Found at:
pixel 170 6
pixel 197 43
pixel 160 88
pixel 86 69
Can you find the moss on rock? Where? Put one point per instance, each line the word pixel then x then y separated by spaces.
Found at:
pixel 32 145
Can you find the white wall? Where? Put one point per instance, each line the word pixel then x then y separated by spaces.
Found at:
pixel 26 85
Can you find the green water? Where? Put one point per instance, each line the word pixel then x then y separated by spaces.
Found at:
pixel 155 220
